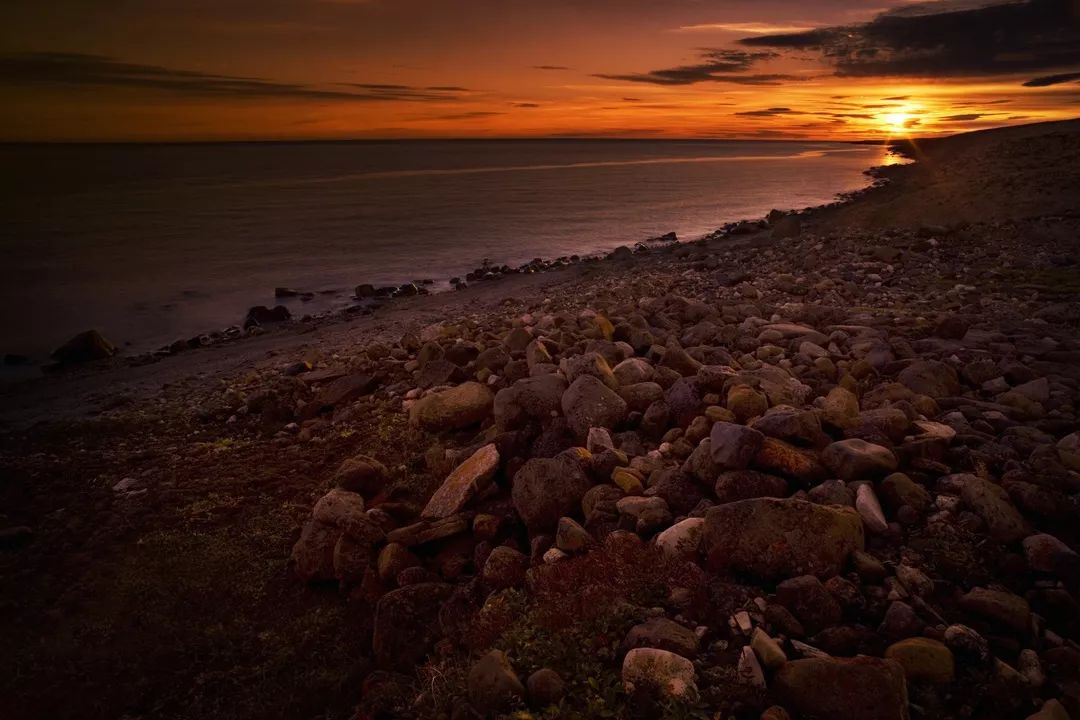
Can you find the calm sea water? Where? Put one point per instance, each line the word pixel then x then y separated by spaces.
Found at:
pixel 158 242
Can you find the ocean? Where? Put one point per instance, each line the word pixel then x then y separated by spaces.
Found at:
pixel 154 243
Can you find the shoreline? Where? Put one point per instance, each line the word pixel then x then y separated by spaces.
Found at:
pixel 742 455
pixel 20 369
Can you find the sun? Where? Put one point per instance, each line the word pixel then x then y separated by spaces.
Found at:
pixel 896 122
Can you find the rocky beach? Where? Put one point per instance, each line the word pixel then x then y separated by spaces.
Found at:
pixel 824 464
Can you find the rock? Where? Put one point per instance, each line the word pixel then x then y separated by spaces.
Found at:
pixel 588 403
pixel 663 634
pixel 991 503
pixel 785 459
pixel 571 537
pixel 746 403
pixel 426 531
pixel 1068 449
pixel 748 484
pixel 774 539
pixel 628 480
pixel 749 669
pixel 775 713
pixel 901 621
pixel 866 503
pixel 1045 553
pixel 406 625
pixel 453 409
pixel 768 650
pixel 393 558
pixel 733 446
pixel 899 490
pixel 546 688
pixel 84 347
pixel 534 398
pixel 343 390
pixel 351 559
pixel 962 639
pixel 800 427
pixel 546 489
pixel 854 459
pixel 863 687
pixel 923 659
pixel 1003 607
pixel 682 539
pixel 658 672
pixel 593 364
pixel 262 315
pixel 806 597
pixel 467 481
pixel 1051 710
pixel 361 474
pixel 648 514
pixel 505 568
pixel 841 408
pixel 493 686
pixel 345 511
pixel 929 377
pixel 312 556
pixel 633 371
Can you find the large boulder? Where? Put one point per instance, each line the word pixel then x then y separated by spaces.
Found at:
pixel 588 403
pixel 775 539
pixel 529 398
pixel 545 489
pixel 930 377
pixel 84 347
pixel 407 625
pixel 863 687
pixel 453 409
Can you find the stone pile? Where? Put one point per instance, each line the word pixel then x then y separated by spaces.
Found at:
pixel 886 466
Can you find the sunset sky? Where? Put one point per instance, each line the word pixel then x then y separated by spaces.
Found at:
pixel 266 69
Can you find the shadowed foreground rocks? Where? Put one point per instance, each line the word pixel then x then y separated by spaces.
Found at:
pixel 843 488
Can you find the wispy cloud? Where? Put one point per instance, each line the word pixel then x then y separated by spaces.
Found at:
pixel 717 65
pixel 550 67
pixel 1048 80
pixel 761 28
pixel 770 112
pixel 70 70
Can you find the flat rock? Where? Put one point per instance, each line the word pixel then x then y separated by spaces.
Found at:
pixel 863 687
pixel 773 538
pixel 427 531
pixel 663 634
pixel 466 481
